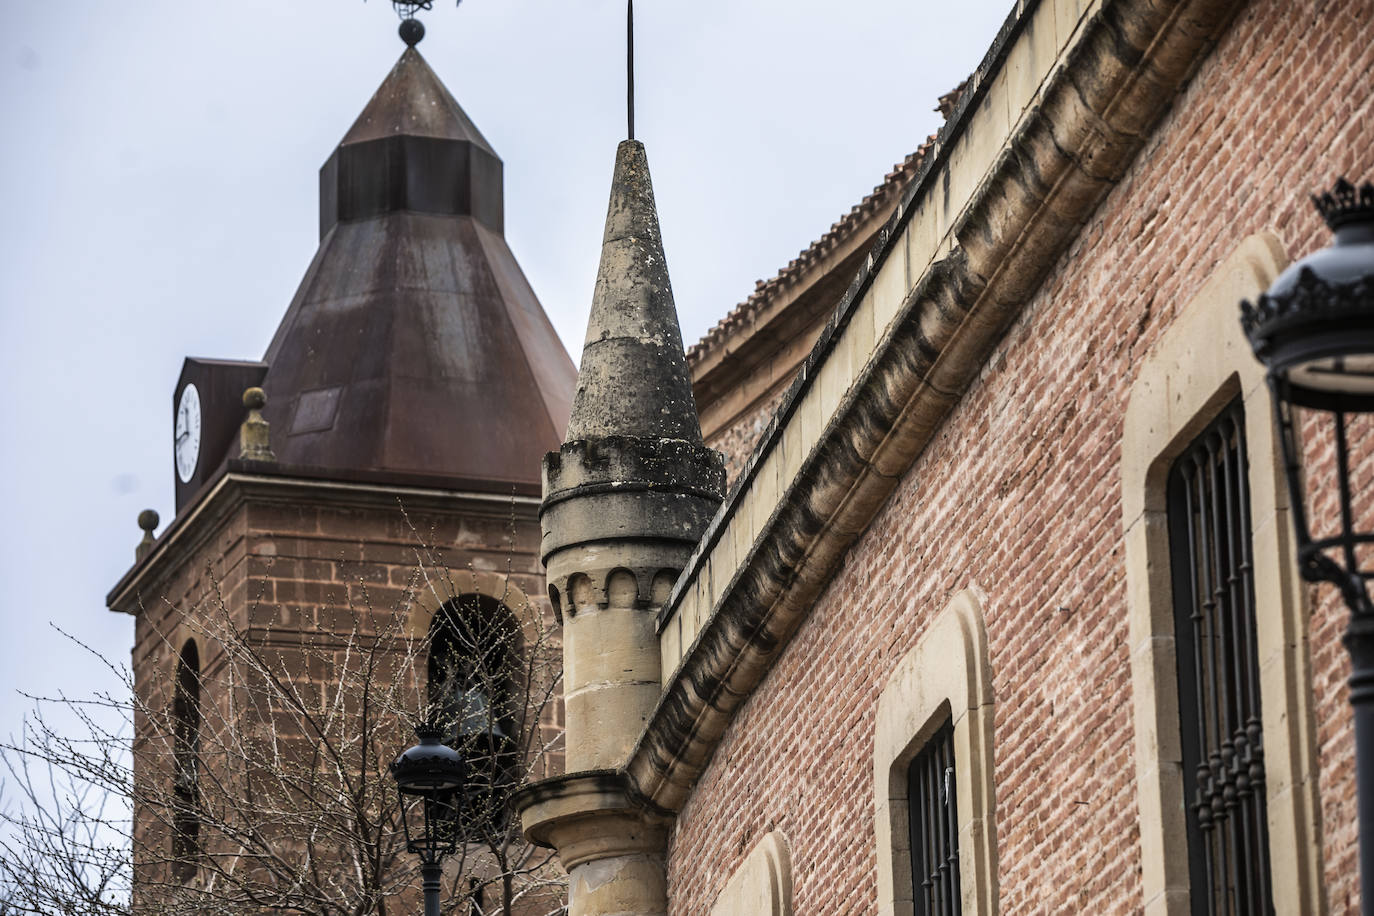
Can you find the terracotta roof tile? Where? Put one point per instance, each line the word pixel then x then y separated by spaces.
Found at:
pixel 840 231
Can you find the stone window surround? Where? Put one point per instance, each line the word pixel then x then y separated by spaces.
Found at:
pixel 1197 367
pixel 946 675
pixel 438 587
pixel 762 885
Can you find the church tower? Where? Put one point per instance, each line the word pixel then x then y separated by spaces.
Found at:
pixel 378 480
pixel 626 499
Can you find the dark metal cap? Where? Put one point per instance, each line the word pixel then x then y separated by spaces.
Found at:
pixel 429 767
pixel 1315 324
pixel 412 148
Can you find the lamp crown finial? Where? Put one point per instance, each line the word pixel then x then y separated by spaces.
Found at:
pixel 1345 204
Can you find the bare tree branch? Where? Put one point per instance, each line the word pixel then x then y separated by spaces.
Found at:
pixel 259 781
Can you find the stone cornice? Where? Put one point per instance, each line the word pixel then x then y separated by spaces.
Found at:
pixel 1002 209
pixel 594 814
pixel 189 531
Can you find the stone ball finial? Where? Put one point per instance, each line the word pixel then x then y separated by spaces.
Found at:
pixel 412 30
pixel 255 440
pixel 147 520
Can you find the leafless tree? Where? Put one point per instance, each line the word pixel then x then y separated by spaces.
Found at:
pixel 256 778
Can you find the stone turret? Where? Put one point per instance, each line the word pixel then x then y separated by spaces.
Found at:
pixel 632 489
pixel 626 500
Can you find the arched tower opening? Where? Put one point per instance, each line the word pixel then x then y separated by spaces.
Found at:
pixel 186 721
pixel 475 696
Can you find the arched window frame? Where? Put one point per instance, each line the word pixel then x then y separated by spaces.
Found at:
pixel 187 715
pixel 476 637
pixel 945 677
pixel 762 885
pixel 1193 371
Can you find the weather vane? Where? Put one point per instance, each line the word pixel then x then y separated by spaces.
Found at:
pixel 412 29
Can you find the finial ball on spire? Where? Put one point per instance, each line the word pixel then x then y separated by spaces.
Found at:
pixel 254 398
pixel 147 520
pixel 412 30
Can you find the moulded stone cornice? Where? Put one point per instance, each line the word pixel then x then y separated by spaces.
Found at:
pixel 591 815
pixel 1092 114
pixel 191 529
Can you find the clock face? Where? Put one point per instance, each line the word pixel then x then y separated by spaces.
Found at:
pixel 186 447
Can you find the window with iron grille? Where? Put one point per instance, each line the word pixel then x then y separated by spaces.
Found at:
pixel 1219 691
pixel 934 827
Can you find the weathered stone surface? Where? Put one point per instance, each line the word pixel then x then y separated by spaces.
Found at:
pixel 626 500
pixel 663 490
pixel 633 380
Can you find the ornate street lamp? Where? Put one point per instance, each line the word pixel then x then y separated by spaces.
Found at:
pixel 430 778
pixel 1314 331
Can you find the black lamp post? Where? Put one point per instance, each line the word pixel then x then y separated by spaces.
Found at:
pixel 430 778
pixel 1314 331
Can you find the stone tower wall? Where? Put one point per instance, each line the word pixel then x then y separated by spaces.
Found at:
pixel 304 578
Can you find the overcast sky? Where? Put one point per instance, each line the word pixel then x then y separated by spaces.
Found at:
pixel 158 185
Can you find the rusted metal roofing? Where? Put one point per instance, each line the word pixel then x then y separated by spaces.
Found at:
pixel 412 101
pixel 414 345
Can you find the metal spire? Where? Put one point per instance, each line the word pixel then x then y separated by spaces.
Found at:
pixel 630 64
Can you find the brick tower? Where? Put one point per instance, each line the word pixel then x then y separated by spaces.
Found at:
pixel 386 483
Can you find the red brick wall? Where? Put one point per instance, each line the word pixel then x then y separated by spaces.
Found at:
pixel 1019 493
pixel 737 441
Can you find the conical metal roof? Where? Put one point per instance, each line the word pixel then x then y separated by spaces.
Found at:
pixel 414 346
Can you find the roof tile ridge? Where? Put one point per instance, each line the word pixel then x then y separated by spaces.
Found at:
pixel 892 184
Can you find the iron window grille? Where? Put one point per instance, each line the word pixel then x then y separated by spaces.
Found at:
pixel 931 794
pixel 1218 673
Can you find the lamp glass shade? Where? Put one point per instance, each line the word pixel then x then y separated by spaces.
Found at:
pixel 1349 374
